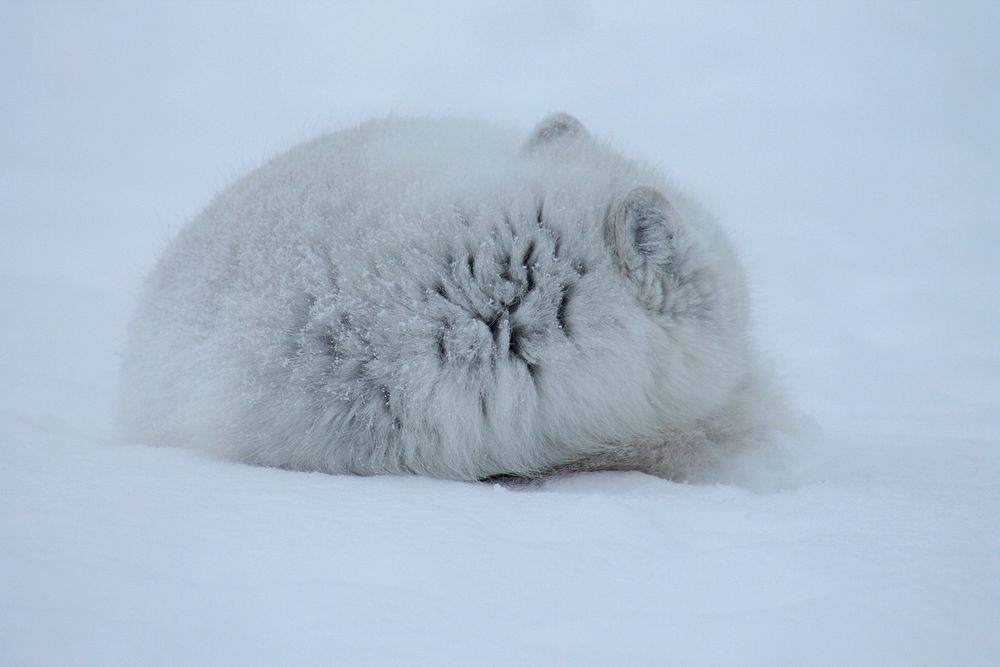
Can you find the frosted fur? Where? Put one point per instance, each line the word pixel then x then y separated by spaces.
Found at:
pixel 443 297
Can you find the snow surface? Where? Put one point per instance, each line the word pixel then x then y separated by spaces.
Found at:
pixel 853 151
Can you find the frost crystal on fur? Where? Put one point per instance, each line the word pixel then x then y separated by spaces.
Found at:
pixel 441 297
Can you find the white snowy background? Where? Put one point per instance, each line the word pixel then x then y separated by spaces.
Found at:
pixel 852 150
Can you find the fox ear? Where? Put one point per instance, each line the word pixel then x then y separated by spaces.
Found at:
pixel 556 128
pixel 641 233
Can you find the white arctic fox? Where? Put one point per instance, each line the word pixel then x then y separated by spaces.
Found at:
pixel 443 298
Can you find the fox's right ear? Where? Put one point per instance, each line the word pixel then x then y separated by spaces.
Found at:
pixel 644 233
pixel 556 128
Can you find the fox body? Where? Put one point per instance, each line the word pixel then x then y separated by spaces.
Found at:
pixel 447 298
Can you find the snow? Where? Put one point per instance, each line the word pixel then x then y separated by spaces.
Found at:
pixel 851 150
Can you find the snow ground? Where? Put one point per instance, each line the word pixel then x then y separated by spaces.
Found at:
pixel 852 151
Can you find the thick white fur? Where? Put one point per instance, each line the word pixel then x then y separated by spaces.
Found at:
pixel 442 297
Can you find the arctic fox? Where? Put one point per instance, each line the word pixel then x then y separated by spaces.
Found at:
pixel 442 297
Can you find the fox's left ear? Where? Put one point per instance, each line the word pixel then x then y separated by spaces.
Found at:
pixel 641 232
pixel 556 128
